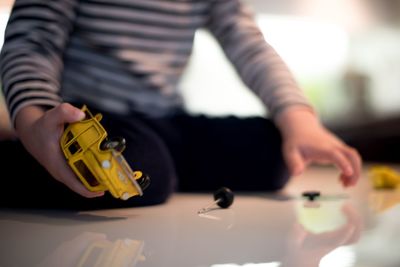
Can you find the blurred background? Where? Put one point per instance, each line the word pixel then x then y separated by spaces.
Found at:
pixel 344 53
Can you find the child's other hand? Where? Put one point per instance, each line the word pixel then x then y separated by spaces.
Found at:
pixel 40 132
pixel 306 141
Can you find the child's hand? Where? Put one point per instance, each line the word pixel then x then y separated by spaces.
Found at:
pixel 306 141
pixel 40 133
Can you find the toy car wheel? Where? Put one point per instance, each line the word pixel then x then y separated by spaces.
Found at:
pixel 116 143
pixel 142 179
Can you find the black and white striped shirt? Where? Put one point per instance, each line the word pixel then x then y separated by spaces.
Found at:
pixel 128 55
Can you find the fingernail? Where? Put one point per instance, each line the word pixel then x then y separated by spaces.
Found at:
pixel 349 171
pixel 80 115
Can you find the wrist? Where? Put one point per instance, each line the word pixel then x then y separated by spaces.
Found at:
pixel 27 116
pixel 294 117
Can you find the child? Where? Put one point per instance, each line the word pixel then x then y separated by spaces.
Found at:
pixel 124 59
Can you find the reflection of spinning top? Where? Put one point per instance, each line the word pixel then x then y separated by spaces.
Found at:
pixel 105 253
pixel 223 197
pixel 384 177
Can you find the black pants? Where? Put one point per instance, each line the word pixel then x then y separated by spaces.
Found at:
pixel 180 153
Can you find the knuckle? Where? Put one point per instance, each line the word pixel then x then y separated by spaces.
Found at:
pixel 354 153
pixel 64 108
pixel 352 150
pixel 337 152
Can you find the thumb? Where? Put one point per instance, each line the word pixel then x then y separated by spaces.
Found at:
pixel 293 160
pixel 66 113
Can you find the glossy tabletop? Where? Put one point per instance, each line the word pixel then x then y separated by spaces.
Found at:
pixel 344 227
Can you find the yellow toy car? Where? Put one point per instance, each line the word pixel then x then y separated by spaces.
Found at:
pixel 98 161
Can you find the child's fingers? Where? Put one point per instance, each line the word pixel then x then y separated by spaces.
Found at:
pixel 342 162
pixel 294 160
pixel 355 160
pixel 65 113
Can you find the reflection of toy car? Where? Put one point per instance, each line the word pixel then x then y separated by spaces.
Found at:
pixel 98 161
pixel 120 253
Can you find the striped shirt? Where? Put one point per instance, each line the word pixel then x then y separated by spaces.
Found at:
pixel 128 55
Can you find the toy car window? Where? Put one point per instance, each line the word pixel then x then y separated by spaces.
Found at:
pixel 86 173
pixel 69 137
pixel 88 115
pixel 74 147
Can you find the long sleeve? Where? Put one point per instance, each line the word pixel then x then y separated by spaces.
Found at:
pixel 31 58
pixel 257 63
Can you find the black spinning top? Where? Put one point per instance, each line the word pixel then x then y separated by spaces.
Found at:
pixel 223 197
pixel 311 195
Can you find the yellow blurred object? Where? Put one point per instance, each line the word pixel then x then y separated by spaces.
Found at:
pixel 98 161
pixel 384 177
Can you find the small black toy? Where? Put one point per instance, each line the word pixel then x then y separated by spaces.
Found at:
pixel 223 197
pixel 311 195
